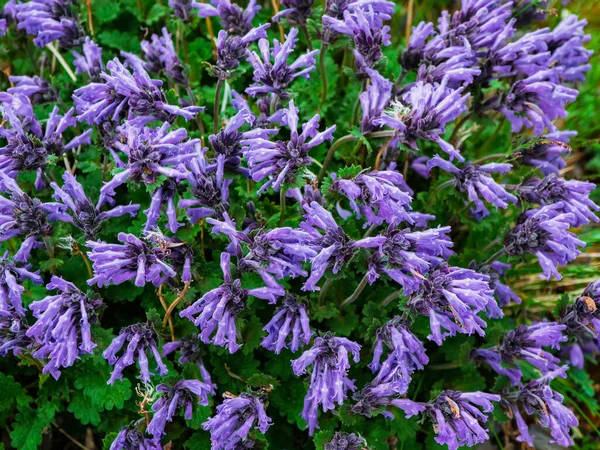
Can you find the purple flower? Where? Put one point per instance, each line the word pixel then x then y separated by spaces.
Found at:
pixel 11 291
pixel 452 297
pixel 574 196
pixel 367 31
pixel 457 62
pixel 63 324
pixel 231 50
pixel 494 360
pixel 457 416
pixel 582 321
pixel 85 215
pixel 378 196
pixel 135 340
pixel 37 89
pixel 335 9
pixel 22 215
pixel 218 308
pixel 209 189
pixel 13 333
pixel 51 20
pixel 537 398
pixel 546 155
pixel 405 355
pixel 311 194
pixel 423 112
pixel 191 351
pixel 132 438
pixel 123 92
pixel 346 441
pixel 336 248
pixel 292 318
pixel 181 396
pixel 90 61
pixel 374 99
pixel 234 19
pixel 297 12
pixel 274 77
pixel 163 195
pixel 544 233
pixel 375 398
pixel 566 44
pixel 235 417
pixel 134 259
pixel 28 146
pixel 161 56
pixel 525 343
pixel 175 252
pixel 183 9
pixel 329 382
pixel 536 101
pixel 407 255
pixel 495 270
pixel 151 152
pixel 281 161
pixel 476 181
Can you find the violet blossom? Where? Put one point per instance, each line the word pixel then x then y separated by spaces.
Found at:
pixel 63 326
pixel 545 233
pixel 495 270
pixel 231 50
pixel 182 9
pixel 191 352
pixel 297 12
pixel 37 89
pixel 374 99
pixel 235 417
pixel 13 333
pixel 329 382
pixel 346 441
pixel 181 396
pixel 290 318
pixel 12 275
pixel 164 195
pixel 565 42
pixel 335 9
pixel 452 297
pixel 90 61
pixel 176 253
pixel 234 19
pixel 132 438
pixel 161 56
pixel 136 341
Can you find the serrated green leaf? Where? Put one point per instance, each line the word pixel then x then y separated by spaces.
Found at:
pixel 30 424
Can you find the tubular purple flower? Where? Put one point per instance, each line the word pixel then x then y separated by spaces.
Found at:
pixel 537 398
pixel 452 297
pixel 235 417
pixel 282 161
pixel 218 308
pixel 163 195
pixel 150 153
pixel 292 318
pixel 234 19
pixel 11 278
pixel 544 233
pixel 63 326
pixel 276 75
pixel 476 181
pixel 85 215
pixel 90 61
pixel 336 248
pixel 423 112
pixel 231 50
pixel 132 438
pixel 574 196
pixel 548 155
pixel 175 252
pixel 13 333
pixel 329 382
pixel 37 89
pixel 565 42
pixel 346 441
pixel 374 99
pixel 123 92
pixel 136 340
pixel 297 12
pixel 495 270
pixel 493 359
pixel 134 259
pixel 181 396
pixel 191 351
pixel 335 9
pixel 161 56
pixel 182 9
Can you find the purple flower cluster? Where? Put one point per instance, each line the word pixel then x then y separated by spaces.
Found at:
pixel 291 317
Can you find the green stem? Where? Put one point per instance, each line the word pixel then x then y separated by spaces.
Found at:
pixel 61 60
pixel 495 256
pixel 216 106
pixel 307 36
pixel 493 136
pixel 273 103
pixel 357 105
pixel 281 204
pixel 330 152
pixel 356 292
pixel 458 126
pixel 324 86
pixel 192 97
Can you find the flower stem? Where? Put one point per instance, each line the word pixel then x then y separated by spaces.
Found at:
pixel 61 60
pixel 281 204
pixel 393 296
pixel 216 106
pixel 409 19
pixel 192 97
pixel 173 305
pixel 495 256
pixel 357 105
pixel 356 292
pixel 330 152
pixel 307 36
pixel 324 86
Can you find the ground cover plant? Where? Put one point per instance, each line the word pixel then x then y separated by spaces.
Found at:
pixel 344 224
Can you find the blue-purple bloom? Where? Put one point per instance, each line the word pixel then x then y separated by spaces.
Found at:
pixel 231 50
pixel 123 92
pixel 13 333
pixel 336 248
pixel 476 181
pixel 374 99
pixel 131 437
pixel 545 233
pixel 63 326
pixel 548 154
pixel 234 19
pixel 183 9
pixel 282 161
pixel 235 417
pixel 90 61
pixel 452 297
pixel 495 270
pixel 191 352
pixel 136 341
pixel 132 260
pixel 456 416
pixel 218 308
pixel 290 318
pixel 335 9
pixel 37 89
pixel 11 277
pixel 161 56
pixel 84 215
pixel 565 42
pixel 329 382
pixel 276 75
pixel 538 399
pixel 181 396
pixel 346 441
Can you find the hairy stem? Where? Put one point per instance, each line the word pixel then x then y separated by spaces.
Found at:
pixel 61 60
pixel 216 106
pixel 324 86
pixel 356 292
pixel 330 152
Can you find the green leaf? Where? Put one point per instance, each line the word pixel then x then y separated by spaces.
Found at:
pixel 30 424
pixel 84 409
pixel 198 441
pixel 13 393
pixel 156 13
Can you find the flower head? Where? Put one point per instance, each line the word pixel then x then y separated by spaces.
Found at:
pixel 136 340
pixel 566 44
pixel 234 19
pixel 11 277
pixel 374 100
pixel 190 351
pixel 297 12
pixel 90 61
pixel 329 382
pixel 231 50
pixel 182 9
pixel 13 333
pixel 37 89
pixel 290 318
pixel 132 438
pixel 161 56
pixel 346 441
